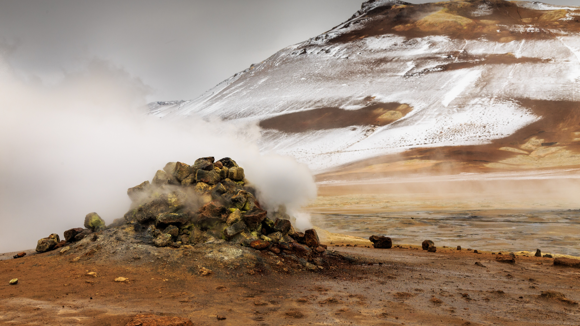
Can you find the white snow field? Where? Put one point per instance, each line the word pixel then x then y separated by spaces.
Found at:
pixel 467 106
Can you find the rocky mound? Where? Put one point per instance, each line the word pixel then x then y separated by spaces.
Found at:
pixel 209 203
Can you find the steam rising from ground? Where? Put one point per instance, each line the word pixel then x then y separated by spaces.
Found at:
pixel 75 147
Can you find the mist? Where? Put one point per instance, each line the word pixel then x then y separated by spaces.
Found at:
pixel 75 146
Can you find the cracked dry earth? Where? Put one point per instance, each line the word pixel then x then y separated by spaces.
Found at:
pixel 403 286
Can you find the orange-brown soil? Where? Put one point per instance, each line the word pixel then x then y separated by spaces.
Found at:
pixel 376 114
pixel 382 287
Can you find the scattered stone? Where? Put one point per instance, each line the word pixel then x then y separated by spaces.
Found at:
pixel 436 300
pixel 121 279
pixel 426 244
pixel 19 255
pixel 311 238
pixel 320 249
pixel 505 259
pixel 93 274
pixel 153 320
pixel 538 253
pixel 204 271
pixel 275 250
pixel 48 243
pixel 553 295
pixel 295 314
pixel 567 262
pixel 479 264
pixel 432 249
pixel 458 247
pixel 475 252
pixel 94 222
pixel 13 281
pixel 548 256
pixel 259 244
pixel 219 317
pixel 381 242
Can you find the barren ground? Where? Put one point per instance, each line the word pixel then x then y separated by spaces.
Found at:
pixel 400 286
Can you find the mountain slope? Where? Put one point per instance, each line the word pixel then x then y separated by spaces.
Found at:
pixel 495 81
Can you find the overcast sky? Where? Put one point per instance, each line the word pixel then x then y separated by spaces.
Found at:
pixel 180 48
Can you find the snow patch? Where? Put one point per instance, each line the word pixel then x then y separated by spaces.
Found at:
pixel 468 80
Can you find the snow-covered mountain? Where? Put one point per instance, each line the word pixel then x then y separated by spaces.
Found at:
pixel 491 83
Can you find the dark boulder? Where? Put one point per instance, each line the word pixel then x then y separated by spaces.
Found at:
pixel 254 218
pixel 235 229
pixel 299 237
pixel 282 226
pixel 19 255
pixel 210 177
pixel 301 249
pixel 202 164
pixel 239 200
pixel 538 253
pixel 48 243
pixel 182 171
pixel 228 162
pixel 172 218
pixel 268 226
pixel 285 245
pixel 212 210
pixel 311 238
pixel 426 244
pixel 509 259
pixel 81 235
pixel 69 235
pixel 381 242
pixel 236 173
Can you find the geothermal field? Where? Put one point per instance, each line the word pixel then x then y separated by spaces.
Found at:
pixel 416 164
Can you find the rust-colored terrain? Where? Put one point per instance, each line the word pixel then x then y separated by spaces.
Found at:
pixel 379 287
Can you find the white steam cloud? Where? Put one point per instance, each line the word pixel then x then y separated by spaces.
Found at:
pixel 75 147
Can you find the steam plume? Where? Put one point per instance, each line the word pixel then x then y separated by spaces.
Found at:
pixel 75 146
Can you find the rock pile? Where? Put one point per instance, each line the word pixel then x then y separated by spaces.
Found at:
pixel 204 203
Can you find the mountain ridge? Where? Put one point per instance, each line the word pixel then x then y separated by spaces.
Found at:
pixel 398 79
